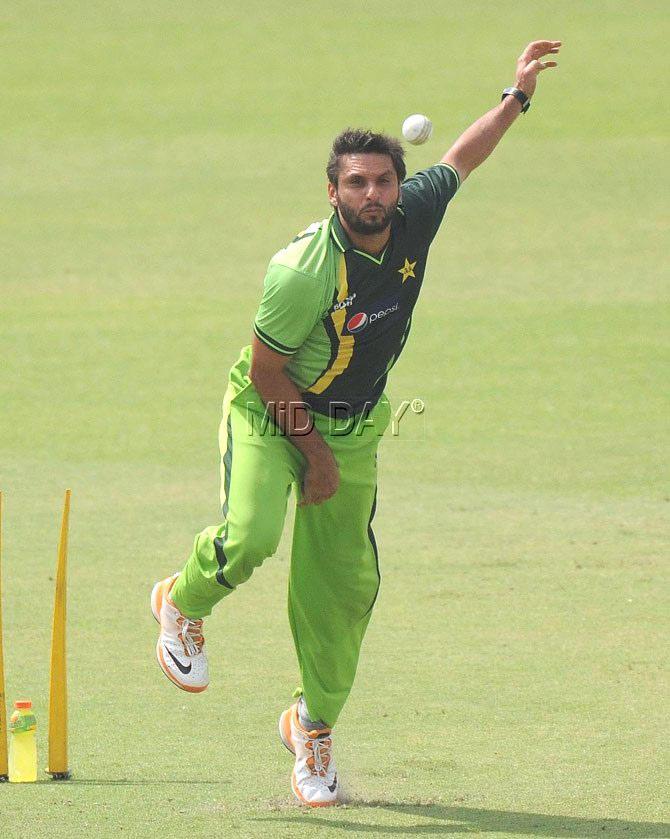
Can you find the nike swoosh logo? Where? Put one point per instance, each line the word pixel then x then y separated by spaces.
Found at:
pixel 334 785
pixel 184 670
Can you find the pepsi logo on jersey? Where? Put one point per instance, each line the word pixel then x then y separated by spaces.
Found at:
pixel 357 322
pixel 360 320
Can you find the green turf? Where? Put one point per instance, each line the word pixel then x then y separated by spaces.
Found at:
pixel 514 678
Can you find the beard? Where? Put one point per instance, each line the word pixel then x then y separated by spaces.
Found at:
pixel 366 223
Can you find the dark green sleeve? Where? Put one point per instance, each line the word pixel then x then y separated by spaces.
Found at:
pixel 425 197
pixel 289 309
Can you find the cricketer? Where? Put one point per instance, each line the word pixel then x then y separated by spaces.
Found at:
pixel 334 317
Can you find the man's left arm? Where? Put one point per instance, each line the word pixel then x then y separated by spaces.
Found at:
pixel 478 141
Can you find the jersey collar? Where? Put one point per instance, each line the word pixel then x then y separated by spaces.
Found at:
pixel 343 242
pixel 339 234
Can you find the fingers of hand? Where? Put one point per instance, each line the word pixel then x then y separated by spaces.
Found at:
pixel 310 498
pixel 316 495
pixel 536 49
pixel 536 66
pixel 313 499
pixel 543 65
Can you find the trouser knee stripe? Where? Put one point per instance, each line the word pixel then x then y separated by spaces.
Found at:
pixel 222 560
pixel 228 465
pixel 373 542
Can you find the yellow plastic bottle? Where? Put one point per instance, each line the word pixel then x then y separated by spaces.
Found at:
pixel 22 743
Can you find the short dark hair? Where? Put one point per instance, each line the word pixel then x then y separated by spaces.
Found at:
pixel 364 141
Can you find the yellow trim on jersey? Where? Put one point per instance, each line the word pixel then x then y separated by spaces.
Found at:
pixel 449 166
pixel 346 342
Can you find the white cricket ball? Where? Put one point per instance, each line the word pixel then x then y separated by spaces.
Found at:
pixel 416 129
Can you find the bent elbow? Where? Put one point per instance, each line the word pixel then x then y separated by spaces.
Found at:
pixel 260 376
pixel 255 374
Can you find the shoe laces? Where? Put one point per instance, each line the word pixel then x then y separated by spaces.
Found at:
pixel 320 749
pixel 190 635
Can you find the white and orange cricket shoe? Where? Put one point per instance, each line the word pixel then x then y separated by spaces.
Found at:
pixel 181 646
pixel 314 778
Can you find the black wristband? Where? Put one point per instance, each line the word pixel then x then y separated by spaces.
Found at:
pixel 519 95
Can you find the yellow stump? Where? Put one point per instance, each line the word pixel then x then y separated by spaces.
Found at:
pixel 57 767
pixel 4 765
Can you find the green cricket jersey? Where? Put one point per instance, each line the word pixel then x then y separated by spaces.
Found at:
pixel 342 315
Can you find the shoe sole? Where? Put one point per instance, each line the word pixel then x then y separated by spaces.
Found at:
pixel 304 801
pixel 156 601
pixel 163 667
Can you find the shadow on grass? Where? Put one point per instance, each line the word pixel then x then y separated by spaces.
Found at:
pixel 446 820
pixel 124 782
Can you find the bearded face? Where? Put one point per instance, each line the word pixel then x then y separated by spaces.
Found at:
pixel 367 192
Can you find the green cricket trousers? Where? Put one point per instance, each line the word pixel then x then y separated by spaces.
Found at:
pixel 334 572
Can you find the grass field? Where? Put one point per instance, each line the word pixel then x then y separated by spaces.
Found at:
pixel 514 680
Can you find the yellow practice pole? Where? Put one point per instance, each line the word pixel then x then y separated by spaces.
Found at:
pixel 4 766
pixel 57 767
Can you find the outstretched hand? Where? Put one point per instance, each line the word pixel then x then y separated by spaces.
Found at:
pixel 529 66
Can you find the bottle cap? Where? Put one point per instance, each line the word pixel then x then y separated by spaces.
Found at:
pixel 23 703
